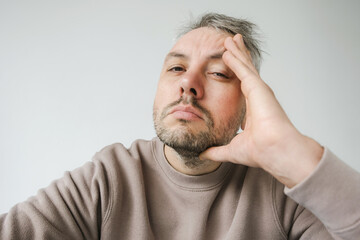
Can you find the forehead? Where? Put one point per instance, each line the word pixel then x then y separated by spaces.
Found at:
pixel 201 41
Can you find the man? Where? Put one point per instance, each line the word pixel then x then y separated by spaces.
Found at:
pixel 200 179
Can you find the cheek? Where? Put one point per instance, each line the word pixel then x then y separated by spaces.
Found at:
pixel 159 100
pixel 164 96
pixel 227 106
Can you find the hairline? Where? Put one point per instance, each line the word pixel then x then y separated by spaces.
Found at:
pixel 232 26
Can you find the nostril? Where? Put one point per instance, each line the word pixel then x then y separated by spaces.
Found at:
pixel 193 91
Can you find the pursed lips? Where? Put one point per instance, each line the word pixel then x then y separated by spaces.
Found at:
pixel 186 112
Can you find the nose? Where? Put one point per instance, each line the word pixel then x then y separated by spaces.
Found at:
pixel 191 85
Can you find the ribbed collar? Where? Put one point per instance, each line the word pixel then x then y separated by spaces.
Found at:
pixel 192 183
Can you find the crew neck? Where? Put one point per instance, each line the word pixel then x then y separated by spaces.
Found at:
pixel 203 182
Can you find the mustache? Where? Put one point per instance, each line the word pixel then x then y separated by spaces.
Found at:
pixel 195 104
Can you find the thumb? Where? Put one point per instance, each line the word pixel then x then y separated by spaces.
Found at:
pixel 218 154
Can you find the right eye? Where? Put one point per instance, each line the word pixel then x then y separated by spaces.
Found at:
pixel 176 69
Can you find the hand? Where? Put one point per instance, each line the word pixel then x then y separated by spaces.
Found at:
pixel 269 140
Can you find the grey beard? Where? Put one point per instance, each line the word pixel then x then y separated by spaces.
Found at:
pixel 189 145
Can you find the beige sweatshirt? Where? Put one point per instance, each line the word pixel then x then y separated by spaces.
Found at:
pixel 135 194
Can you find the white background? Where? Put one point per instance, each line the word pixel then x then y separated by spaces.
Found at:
pixel 77 75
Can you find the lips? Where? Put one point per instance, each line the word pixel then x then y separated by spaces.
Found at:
pixel 186 112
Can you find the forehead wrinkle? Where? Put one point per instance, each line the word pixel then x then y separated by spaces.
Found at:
pixel 213 56
pixel 202 43
pixel 175 54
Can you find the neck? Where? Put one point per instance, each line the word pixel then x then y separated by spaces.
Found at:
pixel 189 163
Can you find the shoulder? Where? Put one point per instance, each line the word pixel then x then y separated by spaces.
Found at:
pixel 118 152
pixel 119 162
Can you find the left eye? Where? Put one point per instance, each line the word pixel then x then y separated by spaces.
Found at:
pixel 217 74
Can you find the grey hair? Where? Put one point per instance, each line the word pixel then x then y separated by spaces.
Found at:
pixel 232 26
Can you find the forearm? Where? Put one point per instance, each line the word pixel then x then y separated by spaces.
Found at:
pixel 332 193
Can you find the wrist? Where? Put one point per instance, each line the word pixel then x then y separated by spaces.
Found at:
pixel 299 160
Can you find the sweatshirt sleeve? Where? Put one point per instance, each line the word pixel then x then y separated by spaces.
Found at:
pixel 73 207
pixel 332 194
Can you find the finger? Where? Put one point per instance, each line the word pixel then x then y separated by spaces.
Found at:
pixel 228 154
pixel 239 41
pixel 256 91
pixel 218 154
pixel 239 53
pixel 250 79
pixel 241 70
pixel 237 47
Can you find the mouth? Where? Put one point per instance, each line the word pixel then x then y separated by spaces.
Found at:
pixel 186 113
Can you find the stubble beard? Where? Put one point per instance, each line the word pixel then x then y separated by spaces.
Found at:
pixel 188 144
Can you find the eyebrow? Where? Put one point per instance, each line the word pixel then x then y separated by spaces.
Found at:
pixel 175 55
pixel 217 55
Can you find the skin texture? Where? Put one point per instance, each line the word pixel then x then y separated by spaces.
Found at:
pixel 269 140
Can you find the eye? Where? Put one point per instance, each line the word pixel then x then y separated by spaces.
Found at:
pixel 221 75
pixel 177 69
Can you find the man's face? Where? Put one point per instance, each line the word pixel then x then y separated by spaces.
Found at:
pixel 198 103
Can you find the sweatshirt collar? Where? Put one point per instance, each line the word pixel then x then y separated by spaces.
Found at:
pixel 188 182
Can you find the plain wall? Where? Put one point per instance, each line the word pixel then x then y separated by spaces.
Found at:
pixel 78 75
